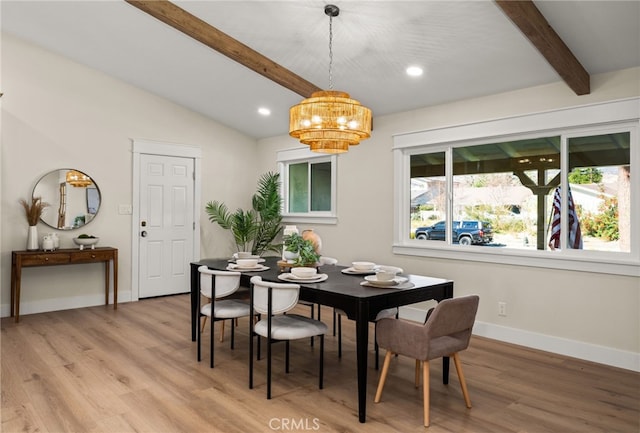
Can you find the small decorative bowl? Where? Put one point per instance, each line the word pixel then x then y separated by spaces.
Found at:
pixel 363 266
pixel 86 242
pixel 247 263
pixel 304 272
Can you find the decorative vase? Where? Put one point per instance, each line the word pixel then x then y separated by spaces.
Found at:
pixel 313 237
pixel 32 239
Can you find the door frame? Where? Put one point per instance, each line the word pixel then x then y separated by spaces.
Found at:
pixel 141 147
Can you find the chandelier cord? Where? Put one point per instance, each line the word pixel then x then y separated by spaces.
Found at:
pixel 330 52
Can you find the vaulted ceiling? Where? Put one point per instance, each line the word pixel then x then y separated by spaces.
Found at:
pixel 467 49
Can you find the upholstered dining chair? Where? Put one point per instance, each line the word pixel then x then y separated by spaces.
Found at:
pixel 272 301
pixel 446 332
pixel 215 285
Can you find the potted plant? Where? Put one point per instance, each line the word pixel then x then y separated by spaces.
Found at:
pixel 308 254
pixel 254 229
pixel 292 244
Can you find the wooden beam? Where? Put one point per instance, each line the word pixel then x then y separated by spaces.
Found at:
pixel 535 27
pixel 193 26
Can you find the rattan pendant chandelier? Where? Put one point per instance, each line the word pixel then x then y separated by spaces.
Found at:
pixel 330 121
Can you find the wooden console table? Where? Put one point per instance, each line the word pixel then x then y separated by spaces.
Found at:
pixel 23 259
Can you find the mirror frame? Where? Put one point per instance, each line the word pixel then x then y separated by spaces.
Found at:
pixel 68 199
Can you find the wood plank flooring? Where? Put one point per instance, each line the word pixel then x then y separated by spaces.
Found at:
pixel 135 370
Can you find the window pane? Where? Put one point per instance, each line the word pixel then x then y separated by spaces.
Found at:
pixel 428 195
pixel 500 192
pixel 321 186
pixel 600 186
pixel 299 187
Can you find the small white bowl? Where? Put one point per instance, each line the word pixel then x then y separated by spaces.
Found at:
pixel 86 242
pixel 385 276
pixel 247 263
pixel 392 269
pixel 363 266
pixel 304 272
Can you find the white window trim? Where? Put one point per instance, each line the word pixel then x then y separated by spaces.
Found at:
pixel 303 154
pixel 567 120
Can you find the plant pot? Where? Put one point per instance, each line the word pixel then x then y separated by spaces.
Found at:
pixel 290 256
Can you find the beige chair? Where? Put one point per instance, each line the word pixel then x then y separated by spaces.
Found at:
pixel 215 285
pixel 273 300
pixel 446 332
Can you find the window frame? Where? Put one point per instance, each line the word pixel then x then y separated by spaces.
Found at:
pixel 286 157
pixel 567 122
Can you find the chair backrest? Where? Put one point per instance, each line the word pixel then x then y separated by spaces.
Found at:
pixel 451 321
pixel 226 282
pixel 284 296
pixel 325 260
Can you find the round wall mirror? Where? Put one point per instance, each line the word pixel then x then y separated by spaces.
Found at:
pixel 73 197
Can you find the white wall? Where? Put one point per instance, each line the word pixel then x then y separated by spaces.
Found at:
pixel 592 316
pixel 58 114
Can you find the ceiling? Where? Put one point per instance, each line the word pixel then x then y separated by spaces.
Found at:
pixel 467 49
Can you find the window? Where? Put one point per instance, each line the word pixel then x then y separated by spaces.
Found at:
pixel 308 185
pixel 488 197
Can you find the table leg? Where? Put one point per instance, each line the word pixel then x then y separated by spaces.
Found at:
pixel 445 370
pixel 106 282
pixel 17 290
pixel 194 300
pixel 13 288
pixel 115 280
pixel 362 349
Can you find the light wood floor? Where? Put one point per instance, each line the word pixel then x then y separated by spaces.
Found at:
pixel 135 370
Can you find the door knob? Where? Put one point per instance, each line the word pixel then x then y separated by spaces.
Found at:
pixel 143 234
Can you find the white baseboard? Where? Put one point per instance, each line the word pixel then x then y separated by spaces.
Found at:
pixel 562 346
pixel 68 303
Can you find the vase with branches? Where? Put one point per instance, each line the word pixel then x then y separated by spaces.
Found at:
pixel 33 210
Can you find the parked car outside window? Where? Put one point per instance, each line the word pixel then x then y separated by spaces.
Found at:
pixel 463 232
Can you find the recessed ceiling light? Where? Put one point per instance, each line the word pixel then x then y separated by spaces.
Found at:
pixel 414 71
pixel 264 111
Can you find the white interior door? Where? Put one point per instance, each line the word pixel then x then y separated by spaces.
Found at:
pixel 166 224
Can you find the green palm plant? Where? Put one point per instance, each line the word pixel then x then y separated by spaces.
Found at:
pixel 255 229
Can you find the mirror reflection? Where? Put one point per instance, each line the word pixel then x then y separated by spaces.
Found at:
pixel 73 197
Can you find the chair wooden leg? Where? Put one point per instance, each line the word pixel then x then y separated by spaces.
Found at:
pixel 425 391
pixel 222 331
pixel 417 380
pixel 383 375
pixel 204 322
pixel 463 383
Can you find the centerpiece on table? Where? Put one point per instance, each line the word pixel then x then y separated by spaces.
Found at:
pixel 299 251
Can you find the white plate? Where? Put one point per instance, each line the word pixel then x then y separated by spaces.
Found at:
pixel 373 279
pixel 234 267
pixel 353 271
pixel 235 257
pixel 290 277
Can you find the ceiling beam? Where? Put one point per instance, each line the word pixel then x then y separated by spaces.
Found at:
pixel 535 27
pixel 199 30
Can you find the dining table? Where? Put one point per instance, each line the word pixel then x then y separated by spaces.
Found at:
pixel 347 291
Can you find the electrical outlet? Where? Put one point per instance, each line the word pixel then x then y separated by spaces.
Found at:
pixel 502 309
